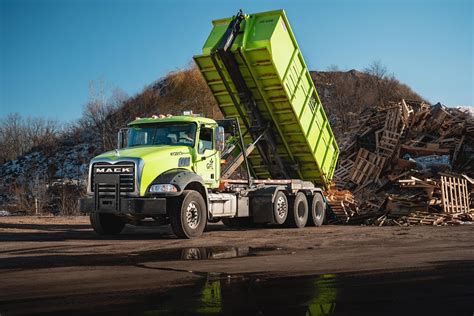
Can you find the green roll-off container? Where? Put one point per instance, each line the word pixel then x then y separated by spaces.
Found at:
pixel 273 68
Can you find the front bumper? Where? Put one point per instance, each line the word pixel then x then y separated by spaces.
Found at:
pixel 134 206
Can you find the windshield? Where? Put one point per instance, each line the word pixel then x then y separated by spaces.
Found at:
pixel 163 134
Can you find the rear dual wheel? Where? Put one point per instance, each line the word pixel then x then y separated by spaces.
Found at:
pixel 303 211
pixel 318 210
pixel 280 208
pixel 298 211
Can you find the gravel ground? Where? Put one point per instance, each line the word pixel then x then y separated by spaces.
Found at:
pixel 56 264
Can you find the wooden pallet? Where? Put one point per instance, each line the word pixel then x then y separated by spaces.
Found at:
pixel 426 218
pixel 367 166
pixel 343 171
pixel 407 113
pixel 388 138
pixel 454 194
pixel 340 211
pixel 392 119
pixel 388 143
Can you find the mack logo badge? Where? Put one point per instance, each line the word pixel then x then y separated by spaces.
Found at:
pixel 114 170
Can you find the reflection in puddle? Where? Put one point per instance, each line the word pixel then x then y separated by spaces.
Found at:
pixel 213 253
pixel 443 290
pixel 293 296
pixel 307 297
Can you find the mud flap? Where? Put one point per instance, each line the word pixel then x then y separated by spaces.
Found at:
pixel 261 204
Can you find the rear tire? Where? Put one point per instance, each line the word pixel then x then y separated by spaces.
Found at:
pixel 318 210
pixel 106 224
pixel 298 211
pixel 188 217
pixel 280 208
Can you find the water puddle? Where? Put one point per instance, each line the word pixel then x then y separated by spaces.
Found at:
pixel 212 253
pixel 368 293
pixel 443 289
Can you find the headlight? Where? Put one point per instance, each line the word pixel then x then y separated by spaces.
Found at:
pixel 162 188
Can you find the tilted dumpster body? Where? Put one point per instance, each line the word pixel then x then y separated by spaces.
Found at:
pixel 273 68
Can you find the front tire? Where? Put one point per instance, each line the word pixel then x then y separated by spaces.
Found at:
pixel 188 217
pixel 106 224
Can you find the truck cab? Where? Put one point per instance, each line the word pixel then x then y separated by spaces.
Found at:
pixel 175 142
pixel 157 159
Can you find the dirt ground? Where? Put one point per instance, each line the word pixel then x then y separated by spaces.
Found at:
pixel 54 264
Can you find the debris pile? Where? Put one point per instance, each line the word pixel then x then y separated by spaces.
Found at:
pixel 406 163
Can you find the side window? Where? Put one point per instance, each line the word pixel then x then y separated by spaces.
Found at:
pixel 205 140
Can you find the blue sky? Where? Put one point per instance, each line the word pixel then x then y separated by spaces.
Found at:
pixel 51 50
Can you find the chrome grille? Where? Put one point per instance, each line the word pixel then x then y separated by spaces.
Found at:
pixel 125 171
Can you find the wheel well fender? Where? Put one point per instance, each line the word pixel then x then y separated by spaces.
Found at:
pixel 199 187
pixel 180 178
pixel 183 179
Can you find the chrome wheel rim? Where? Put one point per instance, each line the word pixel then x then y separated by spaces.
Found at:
pixel 281 207
pixel 192 215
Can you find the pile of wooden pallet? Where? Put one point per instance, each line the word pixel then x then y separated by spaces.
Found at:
pixel 406 163
pixel 342 204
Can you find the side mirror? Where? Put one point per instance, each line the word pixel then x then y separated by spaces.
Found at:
pixel 220 139
pixel 122 138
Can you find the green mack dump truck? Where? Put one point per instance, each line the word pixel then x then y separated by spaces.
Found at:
pixel 266 162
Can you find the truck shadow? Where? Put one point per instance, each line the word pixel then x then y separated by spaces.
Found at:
pixel 61 232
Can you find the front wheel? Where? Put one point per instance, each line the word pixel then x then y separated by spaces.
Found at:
pixel 106 224
pixel 188 216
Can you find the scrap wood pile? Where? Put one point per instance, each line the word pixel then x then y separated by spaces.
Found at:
pixel 406 163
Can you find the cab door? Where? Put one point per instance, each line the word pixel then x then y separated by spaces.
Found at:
pixel 207 157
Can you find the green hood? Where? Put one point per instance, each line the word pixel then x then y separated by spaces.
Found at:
pixel 143 152
pixel 154 160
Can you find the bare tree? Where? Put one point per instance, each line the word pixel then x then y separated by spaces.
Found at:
pixel 376 69
pixel 99 112
pixel 19 135
pixel 39 194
